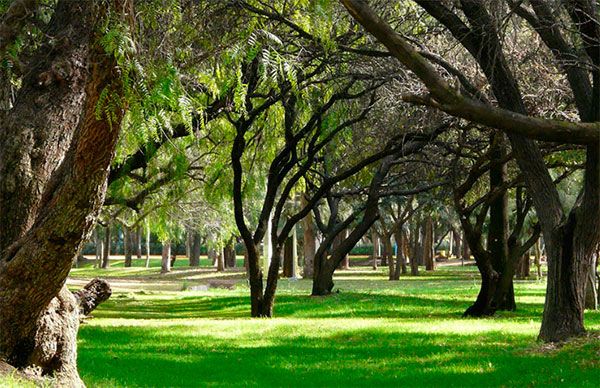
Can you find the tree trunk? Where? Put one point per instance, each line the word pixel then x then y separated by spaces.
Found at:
pixel 255 278
pixel 230 255
pixel 166 257
pixel 565 299
pixel 457 244
pixel 138 242
pixel 414 261
pixel 195 251
pixel 147 245
pixel 345 264
pixel 127 237
pixel 538 258
pixel 107 240
pixel 428 245
pixel 99 247
pixel 188 244
pixel 310 243
pixel 389 253
pixel 496 268
pixel 323 278
pixel 220 256
pixel 465 255
pixel 591 291
pixel 523 266
pixel 375 254
pixel 288 264
pixel 400 253
pixel 54 159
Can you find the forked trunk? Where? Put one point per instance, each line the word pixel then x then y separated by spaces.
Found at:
pixel 255 278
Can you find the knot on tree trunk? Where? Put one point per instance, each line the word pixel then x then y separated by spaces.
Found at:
pixel 91 295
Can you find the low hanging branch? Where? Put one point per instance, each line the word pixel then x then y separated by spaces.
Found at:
pixel 442 96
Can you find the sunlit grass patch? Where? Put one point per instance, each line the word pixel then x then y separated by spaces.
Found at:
pixel 374 332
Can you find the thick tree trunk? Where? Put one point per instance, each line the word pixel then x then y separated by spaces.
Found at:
pixel 195 251
pixel 323 280
pixel 565 299
pixel 255 278
pixel 127 246
pixel 54 158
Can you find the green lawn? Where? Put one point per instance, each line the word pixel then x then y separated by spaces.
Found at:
pixel 373 333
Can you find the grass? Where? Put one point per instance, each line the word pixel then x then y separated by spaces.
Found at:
pixel 374 332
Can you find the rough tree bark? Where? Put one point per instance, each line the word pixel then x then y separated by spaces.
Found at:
pixel 54 159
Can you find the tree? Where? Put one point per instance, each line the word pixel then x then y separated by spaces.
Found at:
pixel 65 119
pixel 570 238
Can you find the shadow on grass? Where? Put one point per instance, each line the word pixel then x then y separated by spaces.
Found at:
pixel 330 356
pixel 351 304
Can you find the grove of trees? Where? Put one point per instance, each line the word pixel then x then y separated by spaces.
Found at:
pixel 294 128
